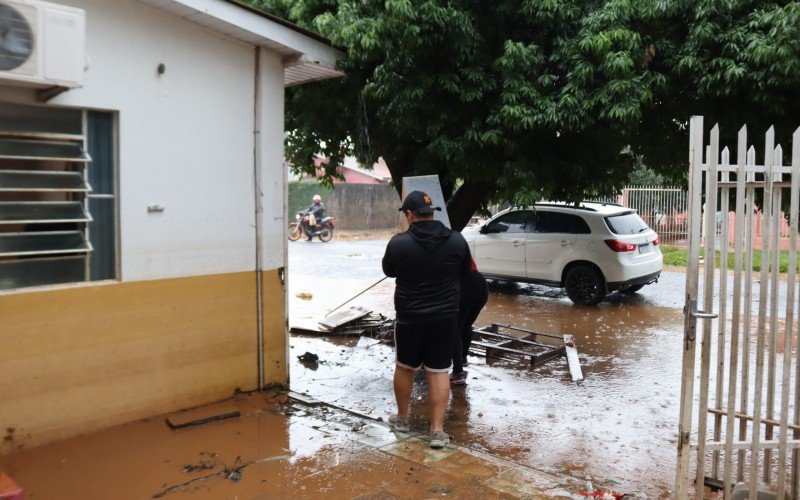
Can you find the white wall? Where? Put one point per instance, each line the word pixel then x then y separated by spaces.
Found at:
pixel 185 138
pixel 272 171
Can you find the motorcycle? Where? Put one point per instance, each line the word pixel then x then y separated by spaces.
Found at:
pixel 299 227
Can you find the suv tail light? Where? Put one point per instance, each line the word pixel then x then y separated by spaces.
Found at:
pixel 656 241
pixel 620 246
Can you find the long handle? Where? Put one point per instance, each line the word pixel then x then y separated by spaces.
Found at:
pixel 355 296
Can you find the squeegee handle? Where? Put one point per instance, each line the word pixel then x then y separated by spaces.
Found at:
pixel 355 296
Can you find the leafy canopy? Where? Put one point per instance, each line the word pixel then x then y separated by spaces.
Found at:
pixel 522 99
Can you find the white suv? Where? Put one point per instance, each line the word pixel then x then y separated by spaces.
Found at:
pixel 591 249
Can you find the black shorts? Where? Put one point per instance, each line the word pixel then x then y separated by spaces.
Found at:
pixel 426 344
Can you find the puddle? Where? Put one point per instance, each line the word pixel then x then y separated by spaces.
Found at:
pixel 617 427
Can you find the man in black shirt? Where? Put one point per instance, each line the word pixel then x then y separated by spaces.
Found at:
pixel 427 261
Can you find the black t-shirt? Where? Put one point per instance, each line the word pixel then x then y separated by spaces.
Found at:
pixel 427 261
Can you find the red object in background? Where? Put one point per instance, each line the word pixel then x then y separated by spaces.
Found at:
pixel 9 490
pixel 601 494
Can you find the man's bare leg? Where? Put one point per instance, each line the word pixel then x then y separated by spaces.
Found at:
pixel 403 383
pixel 439 390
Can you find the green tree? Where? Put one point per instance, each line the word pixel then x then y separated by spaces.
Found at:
pixel 517 99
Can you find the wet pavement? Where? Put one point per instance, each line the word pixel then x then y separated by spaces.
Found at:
pixel 278 448
pixel 617 428
pixel 518 431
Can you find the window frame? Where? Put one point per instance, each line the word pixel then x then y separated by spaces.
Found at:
pixel 48 159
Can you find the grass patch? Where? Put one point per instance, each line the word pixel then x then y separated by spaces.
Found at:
pixel 677 256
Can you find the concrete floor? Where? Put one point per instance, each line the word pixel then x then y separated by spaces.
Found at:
pixel 279 448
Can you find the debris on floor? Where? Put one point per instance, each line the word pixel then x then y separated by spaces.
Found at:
pixel 9 490
pixel 572 358
pixel 309 359
pixel 304 295
pixel 349 321
pixel 203 415
pixel 511 342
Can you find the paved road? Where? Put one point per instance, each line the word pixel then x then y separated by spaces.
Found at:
pixel 362 260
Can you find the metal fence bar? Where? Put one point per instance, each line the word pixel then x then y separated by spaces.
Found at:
pixel 712 157
pixel 692 275
pixel 794 205
pixel 723 308
pixel 748 306
pixel 738 236
pixel 773 307
pixel 796 434
pixel 762 309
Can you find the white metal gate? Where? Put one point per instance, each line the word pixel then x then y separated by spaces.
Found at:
pixel 745 377
pixel 663 208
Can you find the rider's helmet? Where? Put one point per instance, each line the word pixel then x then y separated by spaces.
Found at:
pixel 317 199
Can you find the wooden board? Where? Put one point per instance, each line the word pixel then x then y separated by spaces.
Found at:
pixel 203 415
pixel 572 358
pixel 343 316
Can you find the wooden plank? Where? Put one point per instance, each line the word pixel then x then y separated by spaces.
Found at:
pixel 692 272
pixel 339 318
pixel 708 300
pixel 723 309
pixel 777 218
pixel 749 418
pixel 203 415
pixel 769 147
pixel 303 398
pixel 531 332
pixel 748 310
pixel 743 445
pixel 501 348
pixel 514 339
pixel 794 206
pixel 572 358
pixel 793 256
pixel 538 359
pixel 738 236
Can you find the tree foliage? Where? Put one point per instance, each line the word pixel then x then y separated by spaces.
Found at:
pixel 521 99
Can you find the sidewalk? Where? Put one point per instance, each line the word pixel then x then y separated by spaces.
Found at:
pixel 280 447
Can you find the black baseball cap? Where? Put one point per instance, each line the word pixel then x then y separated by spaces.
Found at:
pixel 418 202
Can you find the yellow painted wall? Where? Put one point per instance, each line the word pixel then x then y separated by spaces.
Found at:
pixel 276 329
pixel 77 359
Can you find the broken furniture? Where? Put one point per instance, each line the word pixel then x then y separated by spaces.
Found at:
pixel 511 342
pixel 350 321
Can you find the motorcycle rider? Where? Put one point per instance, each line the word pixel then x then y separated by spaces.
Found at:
pixel 317 209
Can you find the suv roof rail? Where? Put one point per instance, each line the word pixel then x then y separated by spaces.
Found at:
pixel 559 205
pixel 602 202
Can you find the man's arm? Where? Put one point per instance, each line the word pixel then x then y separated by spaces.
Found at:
pixel 388 263
pixel 466 266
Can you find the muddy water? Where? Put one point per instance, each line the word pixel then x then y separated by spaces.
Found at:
pixel 617 427
pixel 272 451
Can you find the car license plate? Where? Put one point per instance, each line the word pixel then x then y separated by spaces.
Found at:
pixel 644 248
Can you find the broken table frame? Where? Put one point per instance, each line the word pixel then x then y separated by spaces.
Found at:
pixel 495 341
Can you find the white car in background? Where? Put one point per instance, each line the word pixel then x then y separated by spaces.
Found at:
pixel 590 249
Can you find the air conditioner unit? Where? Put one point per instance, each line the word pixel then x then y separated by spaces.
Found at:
pixel 42 44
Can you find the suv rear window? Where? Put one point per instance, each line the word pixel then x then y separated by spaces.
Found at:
pixel 627 223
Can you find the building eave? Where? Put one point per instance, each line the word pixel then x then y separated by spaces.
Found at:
pixel 307 56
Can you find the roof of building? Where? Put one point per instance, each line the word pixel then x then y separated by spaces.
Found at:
pixel 379 170
pixel 307 56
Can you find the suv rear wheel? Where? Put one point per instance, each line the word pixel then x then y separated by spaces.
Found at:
pixel 585 285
